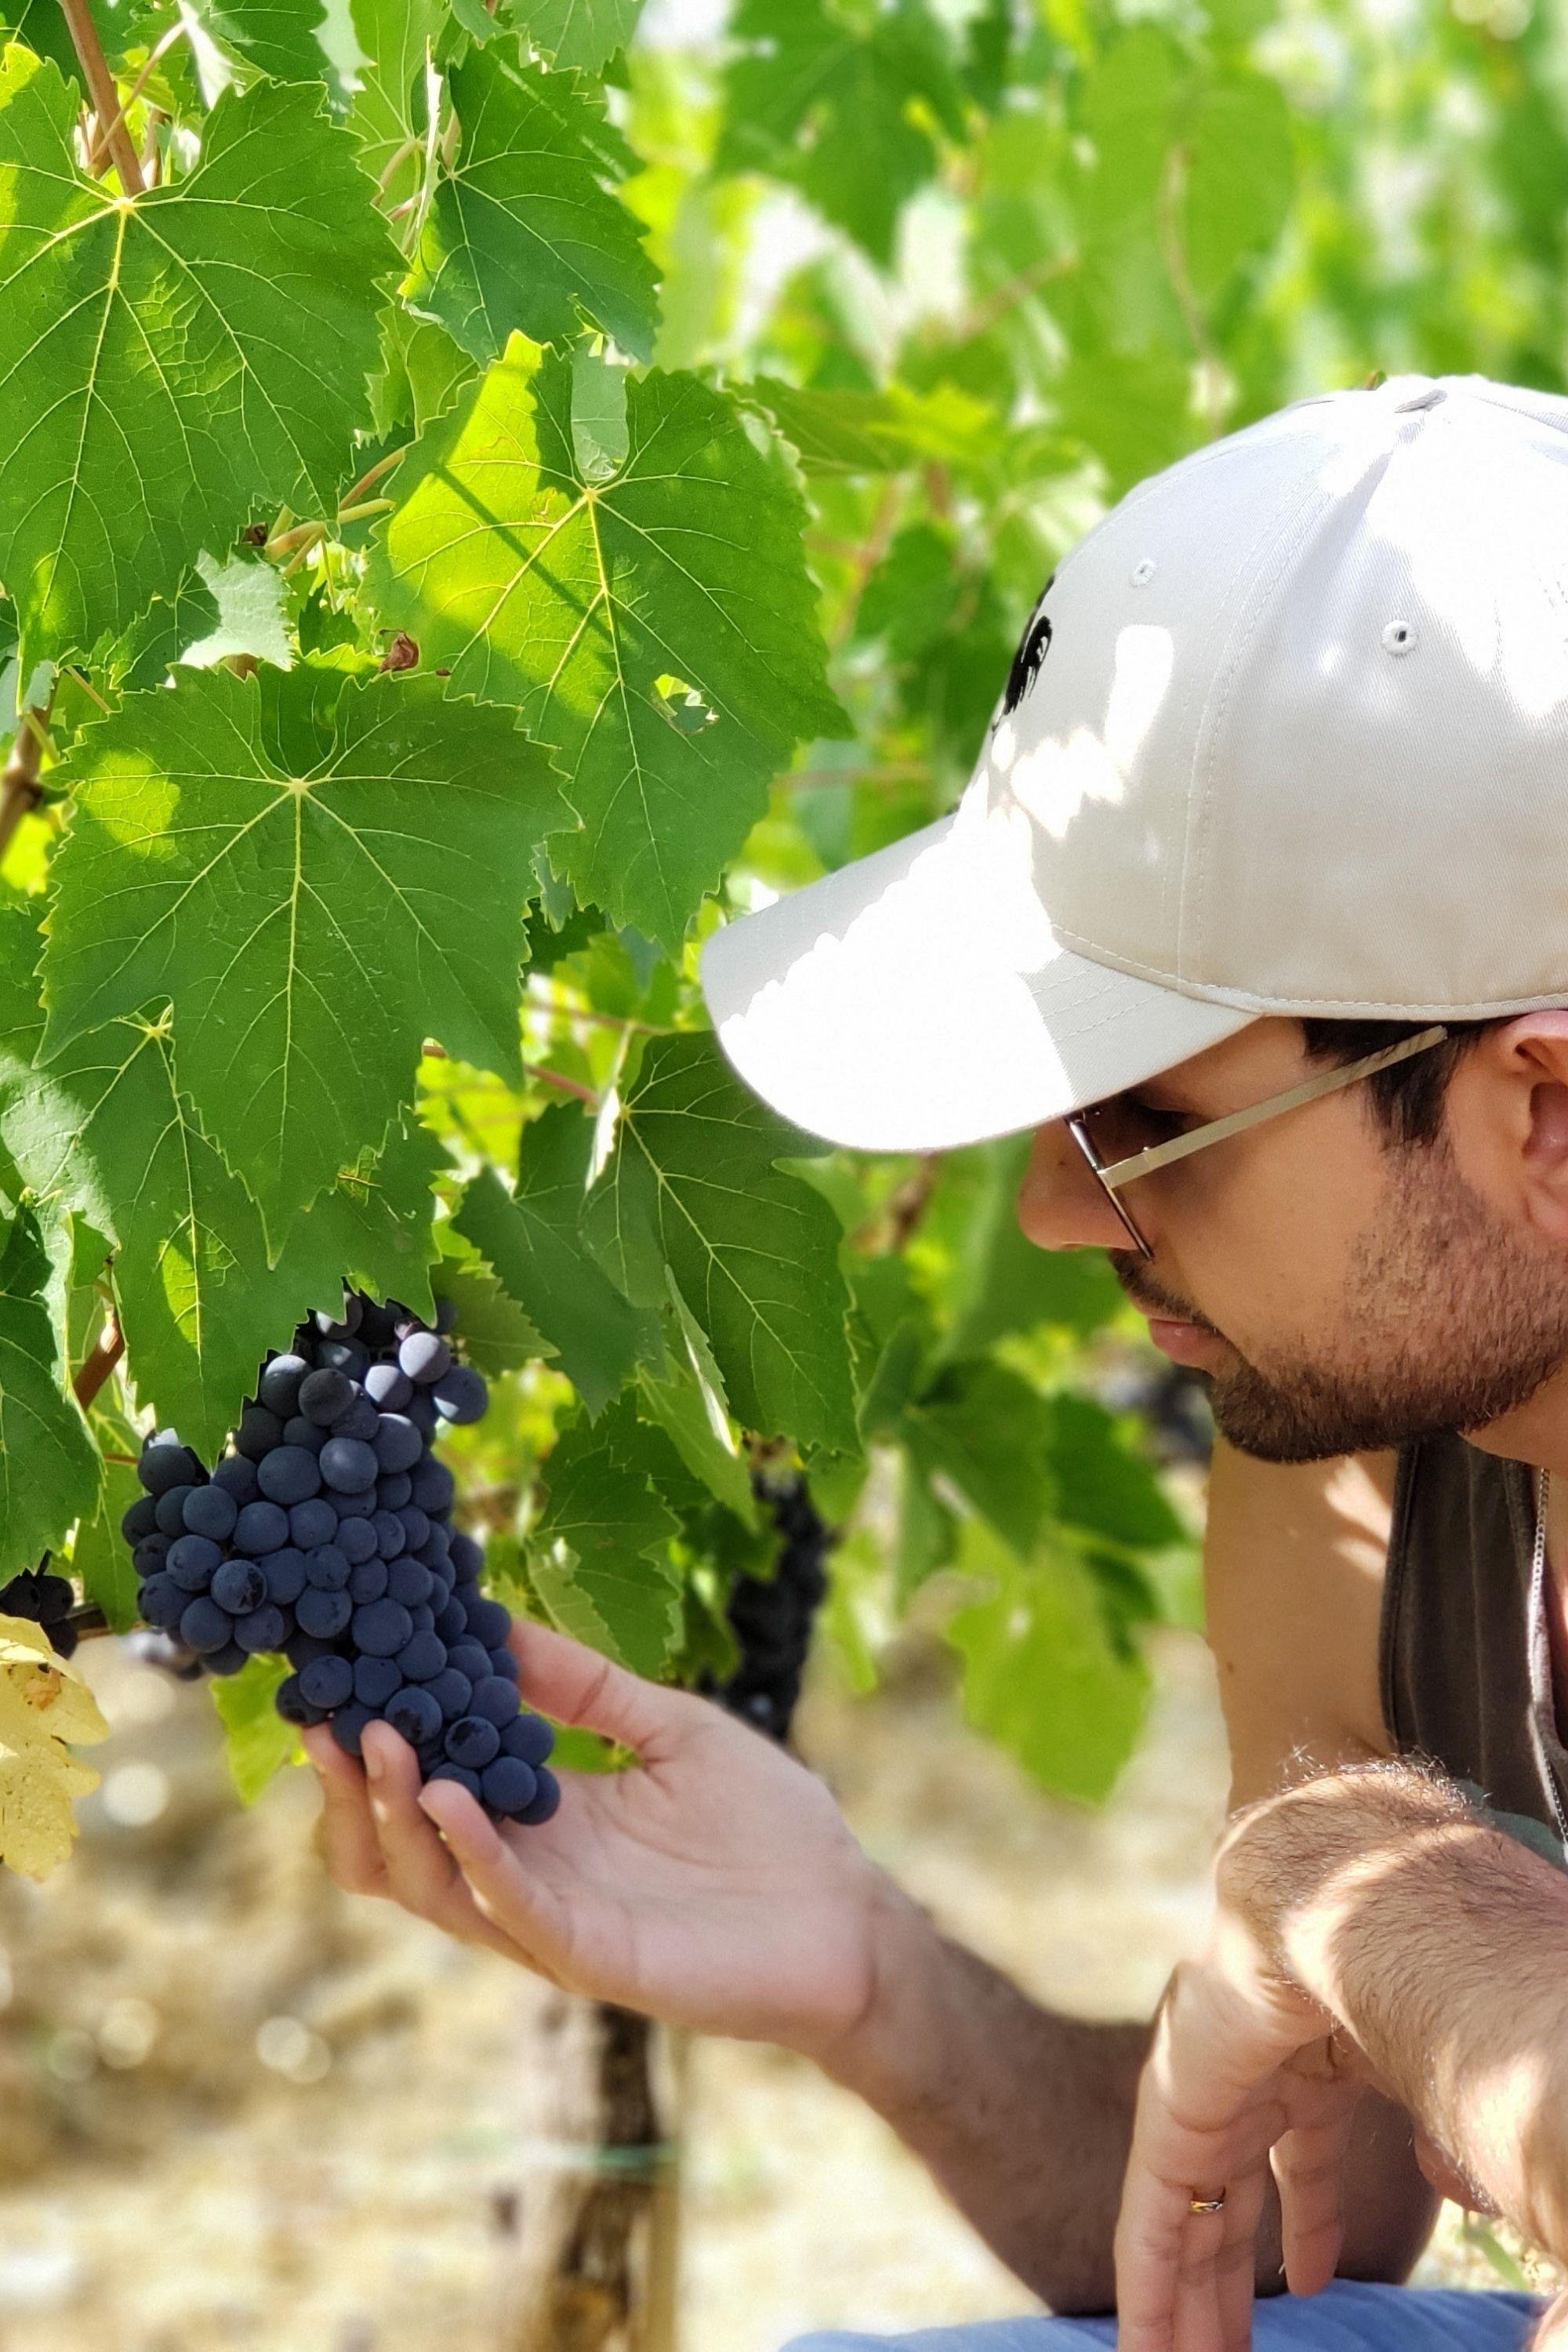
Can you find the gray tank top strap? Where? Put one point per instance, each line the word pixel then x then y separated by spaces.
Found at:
pixel 1465 1666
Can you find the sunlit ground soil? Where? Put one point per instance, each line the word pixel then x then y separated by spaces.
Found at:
pixel 240 2110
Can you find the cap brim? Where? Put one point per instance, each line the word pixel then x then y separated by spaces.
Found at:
pixel 918 999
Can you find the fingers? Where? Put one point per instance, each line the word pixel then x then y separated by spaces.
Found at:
pixel 514 1903
pixel 578 1685
pixel 349 1842
pixel 1309 2166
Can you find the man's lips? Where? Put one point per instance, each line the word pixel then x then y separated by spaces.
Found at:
pixel 1184 1343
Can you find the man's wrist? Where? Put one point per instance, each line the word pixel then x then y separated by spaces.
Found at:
pixel 883 2055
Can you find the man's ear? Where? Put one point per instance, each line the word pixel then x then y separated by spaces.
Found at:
pixel 1528 1057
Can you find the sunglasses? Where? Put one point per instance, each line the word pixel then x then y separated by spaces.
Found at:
pixel 1114 1136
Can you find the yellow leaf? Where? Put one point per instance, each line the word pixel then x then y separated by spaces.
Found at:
pixel 37 1785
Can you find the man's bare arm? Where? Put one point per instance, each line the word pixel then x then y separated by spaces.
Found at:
pixel 1025 2119
pixel 1436 1943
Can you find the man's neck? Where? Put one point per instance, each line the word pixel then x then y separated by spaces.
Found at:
pixel 1536 1433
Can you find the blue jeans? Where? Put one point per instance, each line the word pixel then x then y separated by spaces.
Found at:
pixel 1346 2318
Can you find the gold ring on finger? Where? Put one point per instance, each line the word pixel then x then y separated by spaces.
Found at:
pixel 1198 2204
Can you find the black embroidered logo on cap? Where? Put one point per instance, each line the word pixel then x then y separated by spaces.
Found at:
pixel 1033 647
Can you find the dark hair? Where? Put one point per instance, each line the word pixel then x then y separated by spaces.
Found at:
pixel 1408 1098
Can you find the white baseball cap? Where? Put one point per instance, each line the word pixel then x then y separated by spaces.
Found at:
pixel 1287 734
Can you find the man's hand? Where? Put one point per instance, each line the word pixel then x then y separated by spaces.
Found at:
pixel 1244 2070
pixel 715 1884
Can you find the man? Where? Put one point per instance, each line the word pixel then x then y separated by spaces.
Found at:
pixel 1254 909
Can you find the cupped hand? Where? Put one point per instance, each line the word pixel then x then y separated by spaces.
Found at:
pixel 713 1883
pixel 1244 2075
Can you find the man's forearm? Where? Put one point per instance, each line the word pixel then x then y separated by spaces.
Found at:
pixel 1439 1943
pixel 1025 2119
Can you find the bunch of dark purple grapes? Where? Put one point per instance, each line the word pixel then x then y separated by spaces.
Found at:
pixel 48 1601
pixel 326 1534
pixel 771 1617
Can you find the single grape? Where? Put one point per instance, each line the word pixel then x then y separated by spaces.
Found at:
pixel 209 1511
pixel 423 1657
pixel 289 1473
pixel 348 1725
pixel 375 1680
pixel 236 1477
pixel 509 1785
pixel 451 1621
pixel 424 1357
pixel 150 1555
pixel 311 1523
pixel 416 1526
pixel 473 1742
pixel 423 1415
pixel 463 1777
pixel 368 1581
pixel 140 1520
pixel 496 1699
pixel 387 1388
pixel 358 1502
pixel 470 1658
pixel 460 1394
pixel 259 1430
pixel 161 1602
pixel 348 1464
pixel 291 1703
pixel 278 1387
pixel 424 1617
pixel 466 1555
pixel 264 1629
pixel 388 1534
pixel 393 1489
pixel 451 1691
pixel 260 1528
pixel 226 1661
pixel 301 1648
pixel 355 1539
pixel 324 1614
pixel 191 1562
pixel 169 1511
pixel 398 1443
pixel 327 1568
pixel 204 1626
pixel 435 1488
pixel 504 1662
pixel 414 1715
pixel 284 1574
pixel 488 1622
pixel 165 1462
pixel 383 1628
pixel 529 1738
pixel 409 1582
pixel 344 1356
pixel 324 1395
pixel 359 1422
pixel 240 1586
pixel 328 1683
pixel 306 1435
pixel 547 1799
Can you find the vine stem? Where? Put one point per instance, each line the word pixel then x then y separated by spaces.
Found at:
pixel 104 96
pixel 157 52
pixel 97 1367
pixel 20 789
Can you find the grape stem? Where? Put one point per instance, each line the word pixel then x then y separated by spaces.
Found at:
pixel 97 1367
pixel 105 98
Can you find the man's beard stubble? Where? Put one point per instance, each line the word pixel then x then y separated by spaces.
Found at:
pixel 1450 1321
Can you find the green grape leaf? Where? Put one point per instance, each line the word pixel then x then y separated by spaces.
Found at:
pixel 48 1465
pixel 173 362
pixel 256 1740
pixel 1240 177
pixel 984 1273
pixel 316 873
pixel 586 33
pixel 692 1192
pixel 682 1410
pixel 837 430
pixel 982 1429
pixel 101 1555
pixel 832 106
pixel 279 38
pixel 497 1336
pixel 526 232
pixel 532 1239
pixel 250 598
pixel 396 38
pixel 1103 1486
pixel 1041 1675
pixel 423 371
pixel 598 1559
pixel 40 26
pixel 103 1124
pixel 602 607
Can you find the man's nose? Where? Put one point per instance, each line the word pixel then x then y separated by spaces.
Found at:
pixel 1061 1205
